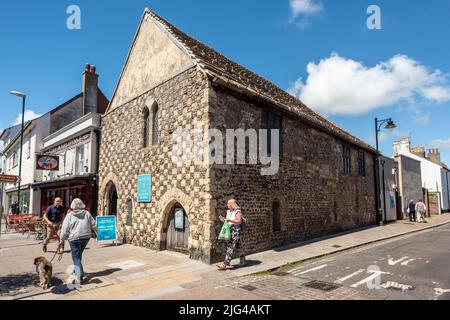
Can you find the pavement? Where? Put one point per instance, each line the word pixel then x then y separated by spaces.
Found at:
pixel 127 272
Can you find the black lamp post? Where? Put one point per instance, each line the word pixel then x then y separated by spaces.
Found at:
pixel 23 96
pixel 389 125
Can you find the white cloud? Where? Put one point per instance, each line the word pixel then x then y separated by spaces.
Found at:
pixel 441 144
pixel 29 115
pixel 305 7
pixel 303 10
pixel 340 86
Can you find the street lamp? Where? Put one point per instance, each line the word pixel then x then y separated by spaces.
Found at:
pixel 389 126
pixel 23 96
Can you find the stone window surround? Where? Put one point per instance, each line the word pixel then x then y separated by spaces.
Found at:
pixel 346 160
pixel 150 108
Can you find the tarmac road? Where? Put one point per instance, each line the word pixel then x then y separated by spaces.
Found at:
pixel 416 267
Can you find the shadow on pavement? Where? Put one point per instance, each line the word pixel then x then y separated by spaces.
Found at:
pixel 16 284
pixel 332 235
pixel 63 288
pixel 250 263
pixel 90 276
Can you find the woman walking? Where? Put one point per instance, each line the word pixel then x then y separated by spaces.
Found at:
pixel 78 228
pixel 235 220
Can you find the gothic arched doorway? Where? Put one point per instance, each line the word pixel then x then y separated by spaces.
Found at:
pixel 177 230
pixel 111 200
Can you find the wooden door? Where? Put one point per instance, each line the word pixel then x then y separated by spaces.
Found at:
pixel 178 231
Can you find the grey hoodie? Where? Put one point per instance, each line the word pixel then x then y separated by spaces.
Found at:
pixel 78 225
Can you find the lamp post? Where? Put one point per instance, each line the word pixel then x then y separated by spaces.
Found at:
pixel 378 124
pixel 23 96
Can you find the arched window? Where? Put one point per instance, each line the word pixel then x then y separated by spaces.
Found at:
pixel 129 212
pixel 155 125
pixel 276 216
pixel 146 127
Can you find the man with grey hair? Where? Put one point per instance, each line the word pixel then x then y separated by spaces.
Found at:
pixel 78 228
pixel 421 210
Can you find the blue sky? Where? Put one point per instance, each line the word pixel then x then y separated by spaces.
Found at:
pixel 322 51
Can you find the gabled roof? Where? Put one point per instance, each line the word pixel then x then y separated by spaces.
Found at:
pixel 217 65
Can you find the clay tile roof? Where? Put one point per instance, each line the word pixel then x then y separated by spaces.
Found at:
pixel 218 65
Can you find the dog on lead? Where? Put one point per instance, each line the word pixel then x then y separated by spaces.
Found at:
pixel 44 269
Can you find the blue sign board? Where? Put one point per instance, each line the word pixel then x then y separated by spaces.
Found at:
pixel 145 188
pixel 107 229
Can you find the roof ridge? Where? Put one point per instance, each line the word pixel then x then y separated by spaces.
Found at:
pixel 211 60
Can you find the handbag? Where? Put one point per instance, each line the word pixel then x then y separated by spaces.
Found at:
pixel 225 232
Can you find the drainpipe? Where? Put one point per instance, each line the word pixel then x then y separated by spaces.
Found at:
pixel 97 165
pixel 448 191
pixel 377 193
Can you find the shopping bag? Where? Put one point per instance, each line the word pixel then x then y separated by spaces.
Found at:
pixel 225 233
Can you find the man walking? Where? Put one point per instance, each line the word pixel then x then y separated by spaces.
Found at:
pixel 421 210
pixel 54 216
pixel 412 211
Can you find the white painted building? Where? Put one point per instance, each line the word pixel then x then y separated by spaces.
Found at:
pixel 34 132
pixel 432 177
pixel 71 132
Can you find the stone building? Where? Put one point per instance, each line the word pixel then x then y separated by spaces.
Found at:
pixel 325 182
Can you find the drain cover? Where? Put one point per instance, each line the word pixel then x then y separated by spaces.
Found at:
pixel 249 288
pixel 322 286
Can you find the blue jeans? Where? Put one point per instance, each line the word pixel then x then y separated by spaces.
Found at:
pixel 77 248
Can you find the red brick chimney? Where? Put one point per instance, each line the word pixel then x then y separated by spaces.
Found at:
pixel 435 156
pixel 90 90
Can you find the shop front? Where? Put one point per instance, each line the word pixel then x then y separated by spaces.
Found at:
pixel 82 187
pixel 12 203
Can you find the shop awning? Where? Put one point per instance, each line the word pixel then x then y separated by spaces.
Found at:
pixel 66 182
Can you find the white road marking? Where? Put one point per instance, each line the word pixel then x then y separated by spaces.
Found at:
pixel 374 275
pixel 405 263
pixel 341 280
pixel 396 285
pixel 311 270
pixel 440 291
pixel 308 265
pixel 393 263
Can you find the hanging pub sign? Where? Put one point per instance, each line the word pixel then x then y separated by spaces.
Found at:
pixel 46 162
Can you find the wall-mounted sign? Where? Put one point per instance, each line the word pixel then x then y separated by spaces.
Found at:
pixel 145 188
pixel 179 219
pixel 45 162
pixel 8 179
pixel 106 229
pixel 392 198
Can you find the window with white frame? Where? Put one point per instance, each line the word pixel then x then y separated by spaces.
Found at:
pixel 29 149
pixel 15 159
pixel 80 159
